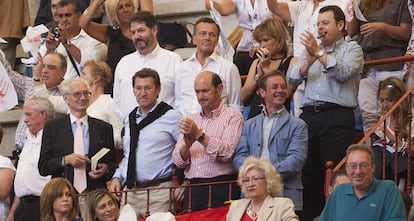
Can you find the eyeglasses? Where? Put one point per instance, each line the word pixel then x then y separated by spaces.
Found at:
pixel 362 166
pixel 79 94
pixel 255 180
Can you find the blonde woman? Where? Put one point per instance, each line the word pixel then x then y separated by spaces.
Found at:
pixel 261 184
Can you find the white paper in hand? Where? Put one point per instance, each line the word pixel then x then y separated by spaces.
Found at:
pixel 97 157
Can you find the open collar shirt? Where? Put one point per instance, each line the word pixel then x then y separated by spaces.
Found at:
pixel 161 60
pixel 185 98
pixel 28 170
pixel 337 82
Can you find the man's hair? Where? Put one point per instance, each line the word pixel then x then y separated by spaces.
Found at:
pixel 338 14
pixel 41 104
pixel 206 20
pixel 335 174
pixel 215 80
pixel 65 88
pixel 144 17
pixel 263 79
pixel 147 73
pixel 62 59
pixel 64 3
pixel 361 147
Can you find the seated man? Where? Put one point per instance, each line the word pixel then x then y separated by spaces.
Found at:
pixel 365 198
pixel 206 147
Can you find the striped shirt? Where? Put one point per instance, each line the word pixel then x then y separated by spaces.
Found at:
pixel 223 126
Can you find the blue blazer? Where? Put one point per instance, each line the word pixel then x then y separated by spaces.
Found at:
pixel 288 145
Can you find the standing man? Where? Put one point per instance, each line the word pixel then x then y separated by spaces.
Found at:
pixel 207 144
pixel 278 136
pixel 147 161
pixel 332 73
pixel 365 198
pixel 69 142
pixel 144 28
pixel 26 204
pixel 303 16
pixel 206 33
pixel 71 41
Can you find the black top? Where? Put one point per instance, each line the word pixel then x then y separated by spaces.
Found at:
pixel 118 47
pixel 256 101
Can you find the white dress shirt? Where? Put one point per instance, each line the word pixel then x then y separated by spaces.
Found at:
pixel 161 60
pixel 185 98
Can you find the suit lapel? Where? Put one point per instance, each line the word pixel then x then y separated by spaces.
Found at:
pixel 240 209
pixel 67 129
pixel 258 134
pixel 267 209
pixel 93 137
pixel 283 118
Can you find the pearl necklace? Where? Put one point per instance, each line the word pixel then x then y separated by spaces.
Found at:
pixel 252 213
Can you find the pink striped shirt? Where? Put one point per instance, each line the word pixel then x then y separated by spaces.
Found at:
pixel 223 126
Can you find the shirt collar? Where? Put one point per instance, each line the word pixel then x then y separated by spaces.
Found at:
pixel 152 54
pixel 374 186
pixel 214 113
pixel 337 44
pixel 139 115
pixel 83 120
pixel 276 114
pixel 34 136
pixel 213 57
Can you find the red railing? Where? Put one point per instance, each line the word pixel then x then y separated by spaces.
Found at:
pixel 382 121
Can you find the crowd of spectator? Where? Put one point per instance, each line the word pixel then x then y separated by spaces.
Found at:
pixel 103 85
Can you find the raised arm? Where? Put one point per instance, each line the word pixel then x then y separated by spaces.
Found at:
pixel 146 5
pixel 226 7
pixel 280 9
pixel 95 30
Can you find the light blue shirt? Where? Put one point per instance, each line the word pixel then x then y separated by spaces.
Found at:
pixel 85 127
pixel 154 150
pixel 338 82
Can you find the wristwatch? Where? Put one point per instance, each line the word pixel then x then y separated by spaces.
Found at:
pixel 201 137
pixel 320 53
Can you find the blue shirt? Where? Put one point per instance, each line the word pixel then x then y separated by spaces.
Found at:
pixel 382 201
pixel 338 82
pixel 85 127
pixel 154 150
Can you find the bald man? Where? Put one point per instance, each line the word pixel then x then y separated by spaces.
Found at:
pixel 207 143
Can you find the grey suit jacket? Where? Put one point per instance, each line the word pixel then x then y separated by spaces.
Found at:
pixel 273 209
pixel 288 145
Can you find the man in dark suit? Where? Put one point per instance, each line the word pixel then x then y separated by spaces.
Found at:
pixel 58 157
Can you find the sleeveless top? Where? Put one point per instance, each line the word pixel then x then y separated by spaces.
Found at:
pixel 256 101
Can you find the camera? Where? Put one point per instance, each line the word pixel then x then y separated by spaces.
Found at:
pixel 56 32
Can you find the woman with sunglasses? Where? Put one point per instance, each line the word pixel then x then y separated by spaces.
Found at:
pixel 261 184
pixel 390 91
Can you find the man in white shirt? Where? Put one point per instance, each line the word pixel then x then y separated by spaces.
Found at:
pixel 72 41
pixel 205 37
pixel 26 205
pixel 144 28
